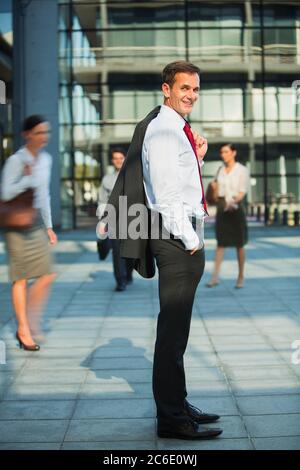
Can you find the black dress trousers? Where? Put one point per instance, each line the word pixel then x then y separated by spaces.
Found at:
pixel 179 275
pixel 122 267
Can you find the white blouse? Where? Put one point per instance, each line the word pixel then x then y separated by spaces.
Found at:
pixel 14 182
pixel 234 182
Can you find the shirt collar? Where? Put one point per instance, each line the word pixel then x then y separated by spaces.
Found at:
pixel 29 154
pixel 172 114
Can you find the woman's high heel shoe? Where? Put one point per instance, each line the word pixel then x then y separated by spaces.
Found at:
pixel 239 284
pixel 212 284
pixel 34 347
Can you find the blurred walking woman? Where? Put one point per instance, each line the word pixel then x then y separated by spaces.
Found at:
pixel 231 226
pixel 28 250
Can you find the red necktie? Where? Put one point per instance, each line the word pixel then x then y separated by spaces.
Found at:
pixel 188 131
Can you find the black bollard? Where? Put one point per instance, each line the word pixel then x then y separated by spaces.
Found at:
pixel 284 217
pixel 258 214
pixel 267 214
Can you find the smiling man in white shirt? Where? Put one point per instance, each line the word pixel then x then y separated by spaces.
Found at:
pixel 172 158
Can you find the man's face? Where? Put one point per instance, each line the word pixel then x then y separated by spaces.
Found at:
pixel 117 160
pixel 184 92
pixel 38 137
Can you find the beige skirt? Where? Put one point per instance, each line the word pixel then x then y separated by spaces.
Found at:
pixel 28 253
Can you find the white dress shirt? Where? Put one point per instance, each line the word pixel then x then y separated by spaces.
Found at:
pixel 106 187
pixel 14 182
pixel 234 182
pixel 171 177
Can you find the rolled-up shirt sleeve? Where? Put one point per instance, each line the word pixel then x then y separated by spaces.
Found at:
pixel 103 196
pixel 46 208
pixel 244 181
pixel 44 195
pixel 163 159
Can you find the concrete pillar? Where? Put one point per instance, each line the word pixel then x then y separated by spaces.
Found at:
pixel 105 94
pixel 36 77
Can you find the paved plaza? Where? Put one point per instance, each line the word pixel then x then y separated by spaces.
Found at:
pixel 89 387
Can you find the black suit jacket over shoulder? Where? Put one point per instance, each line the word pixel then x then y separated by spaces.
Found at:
pixel 130 183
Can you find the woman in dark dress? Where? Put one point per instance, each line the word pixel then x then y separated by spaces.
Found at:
pixel 231 225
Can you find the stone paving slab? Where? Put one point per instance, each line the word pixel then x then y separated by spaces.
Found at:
pixel 37 410
pixel 33 430
pixel 30 446
pixel 273 425
pixel 111 445
pixel 216 444
pixel 277 443
pixel 263 405
pixel 90 385
pixel 110 429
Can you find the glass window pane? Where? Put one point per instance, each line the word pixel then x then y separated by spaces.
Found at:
pixel 275 15
pixel 287 105
pixel 271 103
pixel 123 105
pixel 232 104
pixel 86 199
pixel 118 15
pixel 6 27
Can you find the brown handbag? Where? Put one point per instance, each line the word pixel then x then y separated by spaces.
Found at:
pixel 18 213
pixel 211 195
pixel 212 191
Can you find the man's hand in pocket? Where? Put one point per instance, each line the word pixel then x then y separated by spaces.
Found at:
pixel 195 249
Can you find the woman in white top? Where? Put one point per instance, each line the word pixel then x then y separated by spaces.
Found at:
pixel 28 250
pixel 231 225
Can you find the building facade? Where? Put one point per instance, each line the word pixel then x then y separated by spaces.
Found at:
pixel 110 55
pixel 6 66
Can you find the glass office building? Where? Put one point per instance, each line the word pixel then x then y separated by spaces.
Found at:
pixel 6 51
pixel 111 54
pixel 111 57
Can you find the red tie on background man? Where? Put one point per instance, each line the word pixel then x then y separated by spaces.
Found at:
pixel 188 131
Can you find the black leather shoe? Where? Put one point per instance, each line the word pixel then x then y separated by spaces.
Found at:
pixel 120 288
pixel 198 415
pixel 188 430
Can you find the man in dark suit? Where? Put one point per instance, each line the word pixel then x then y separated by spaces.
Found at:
pixel 162 172
pixel 122 267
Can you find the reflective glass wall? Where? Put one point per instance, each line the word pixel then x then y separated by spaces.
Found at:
pixel 111 57
pixel 6 51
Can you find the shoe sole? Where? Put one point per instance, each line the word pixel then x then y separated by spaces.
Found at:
pixel 206 421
